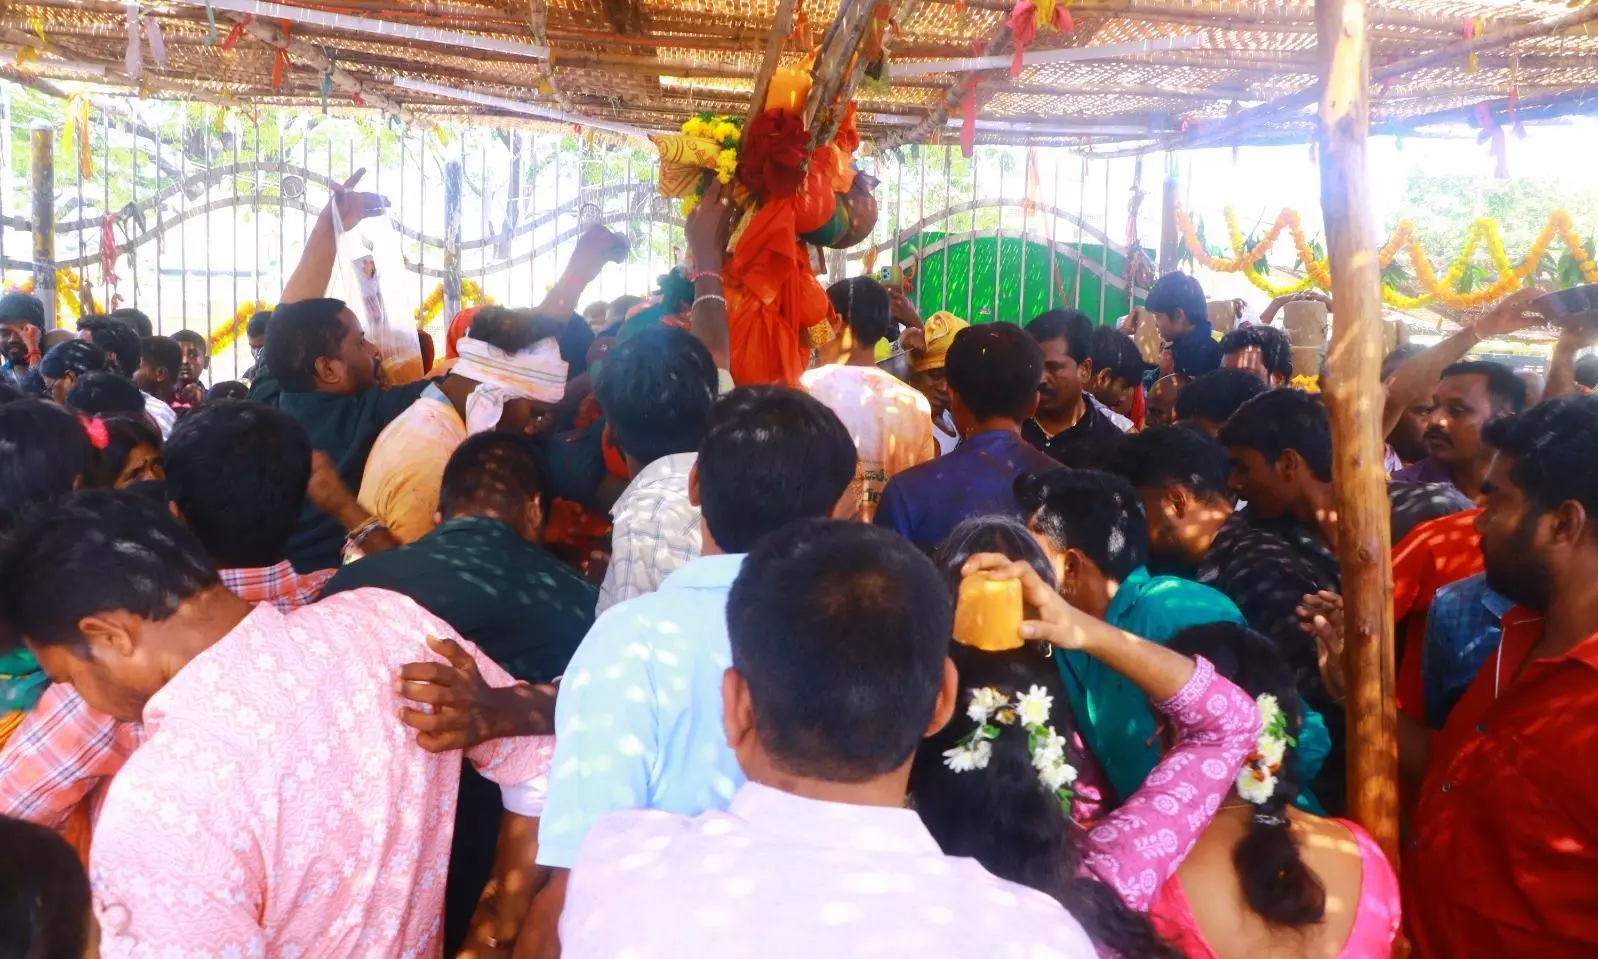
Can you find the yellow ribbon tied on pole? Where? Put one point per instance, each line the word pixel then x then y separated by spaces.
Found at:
pixel 77 134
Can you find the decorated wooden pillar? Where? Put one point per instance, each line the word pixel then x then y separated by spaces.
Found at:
pixel 42 142
pixel 452 240
pixel 1170 237
pixel 1354 398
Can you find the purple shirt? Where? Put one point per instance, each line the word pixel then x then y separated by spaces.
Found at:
pixel 778 876
pixel 925 502
pixel 1427 470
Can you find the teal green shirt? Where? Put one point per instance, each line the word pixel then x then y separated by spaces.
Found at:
pixel 1112 714
pixel 22 681
pixel 344 427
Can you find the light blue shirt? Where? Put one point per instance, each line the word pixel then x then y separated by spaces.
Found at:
pixel 638 720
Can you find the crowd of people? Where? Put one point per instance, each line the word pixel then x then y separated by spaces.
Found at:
pixel 575 647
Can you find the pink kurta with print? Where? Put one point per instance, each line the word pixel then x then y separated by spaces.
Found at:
pixel 1136 848
pixel 279 808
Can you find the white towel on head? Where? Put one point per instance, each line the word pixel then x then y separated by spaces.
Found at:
pixel 537 373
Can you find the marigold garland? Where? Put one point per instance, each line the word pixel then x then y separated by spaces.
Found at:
pixel 725 130
pixel 1509 276
pixel 471 295
pixel 236 326
pixel 67 285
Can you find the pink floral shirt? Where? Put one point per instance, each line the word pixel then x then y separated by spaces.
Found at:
pixel 278 807
pixel 1136 848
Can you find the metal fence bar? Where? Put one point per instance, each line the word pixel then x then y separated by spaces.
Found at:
pixel 1081 229
pixel 183 200
pixel 943 301
pixel 1027 212
pixel 1054 252
pixel 42 141
pixel 249 171
pixel 971 245
pixel 453 176
pixel 999 237
pixel 1104 249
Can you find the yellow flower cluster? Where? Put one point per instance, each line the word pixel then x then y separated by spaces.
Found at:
pixel 726 165
pixel 708 127
pixel 67 285
pixel 1510 276
pixel 720 129
pixel 433 304
pixel 224 338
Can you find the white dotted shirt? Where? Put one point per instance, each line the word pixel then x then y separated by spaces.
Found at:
pixel 778 876
pixel 638 723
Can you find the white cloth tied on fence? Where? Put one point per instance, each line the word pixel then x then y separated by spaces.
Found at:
pixel 133 56
pixel 537 373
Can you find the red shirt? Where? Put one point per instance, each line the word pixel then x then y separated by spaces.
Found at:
pixel 1434 554
pixel 1506 830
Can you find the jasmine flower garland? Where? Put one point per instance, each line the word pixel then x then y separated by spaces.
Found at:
pixel 991 710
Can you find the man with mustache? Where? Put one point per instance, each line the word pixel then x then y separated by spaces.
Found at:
pixel 1469 396
pixel 21 325
pixel 1068 426
pixel 1505 849
pixel 328 375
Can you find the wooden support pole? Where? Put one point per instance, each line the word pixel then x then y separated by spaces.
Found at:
pixel 41 136
pixel 1354 399
pixel 835 73
pixel 1170 236
pixel 781 26
pixel 452 239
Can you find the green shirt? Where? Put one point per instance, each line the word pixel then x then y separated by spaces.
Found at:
pixel 22 681
pixel 344 427
pixel 1112 714
pixel 525 609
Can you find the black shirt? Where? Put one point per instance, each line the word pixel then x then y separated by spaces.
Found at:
pixel 1087 443
pixel 1267 566
pixel 1196 352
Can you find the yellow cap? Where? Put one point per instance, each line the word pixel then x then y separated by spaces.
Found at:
pixel 941 328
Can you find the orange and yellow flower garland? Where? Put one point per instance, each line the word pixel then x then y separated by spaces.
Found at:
pixel 1509 276
pixel 67 285
pixel 223 338
pixel 471 295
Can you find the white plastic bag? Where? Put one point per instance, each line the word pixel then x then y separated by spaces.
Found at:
pixel 368 275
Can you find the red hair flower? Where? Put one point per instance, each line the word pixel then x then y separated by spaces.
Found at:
pixel 95 427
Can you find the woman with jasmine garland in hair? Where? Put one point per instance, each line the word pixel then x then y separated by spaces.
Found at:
pixel 998 782
pixel 1266 878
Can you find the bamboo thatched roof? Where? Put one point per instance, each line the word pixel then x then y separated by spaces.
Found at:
pixel 650 63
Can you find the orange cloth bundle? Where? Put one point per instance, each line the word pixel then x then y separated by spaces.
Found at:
pixel 772 295
pixel 776 308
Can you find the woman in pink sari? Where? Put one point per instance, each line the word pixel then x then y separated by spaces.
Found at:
pixel 1001 782
pixel 1266 879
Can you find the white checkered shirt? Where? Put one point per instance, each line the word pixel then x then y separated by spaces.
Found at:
pixel 656 530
